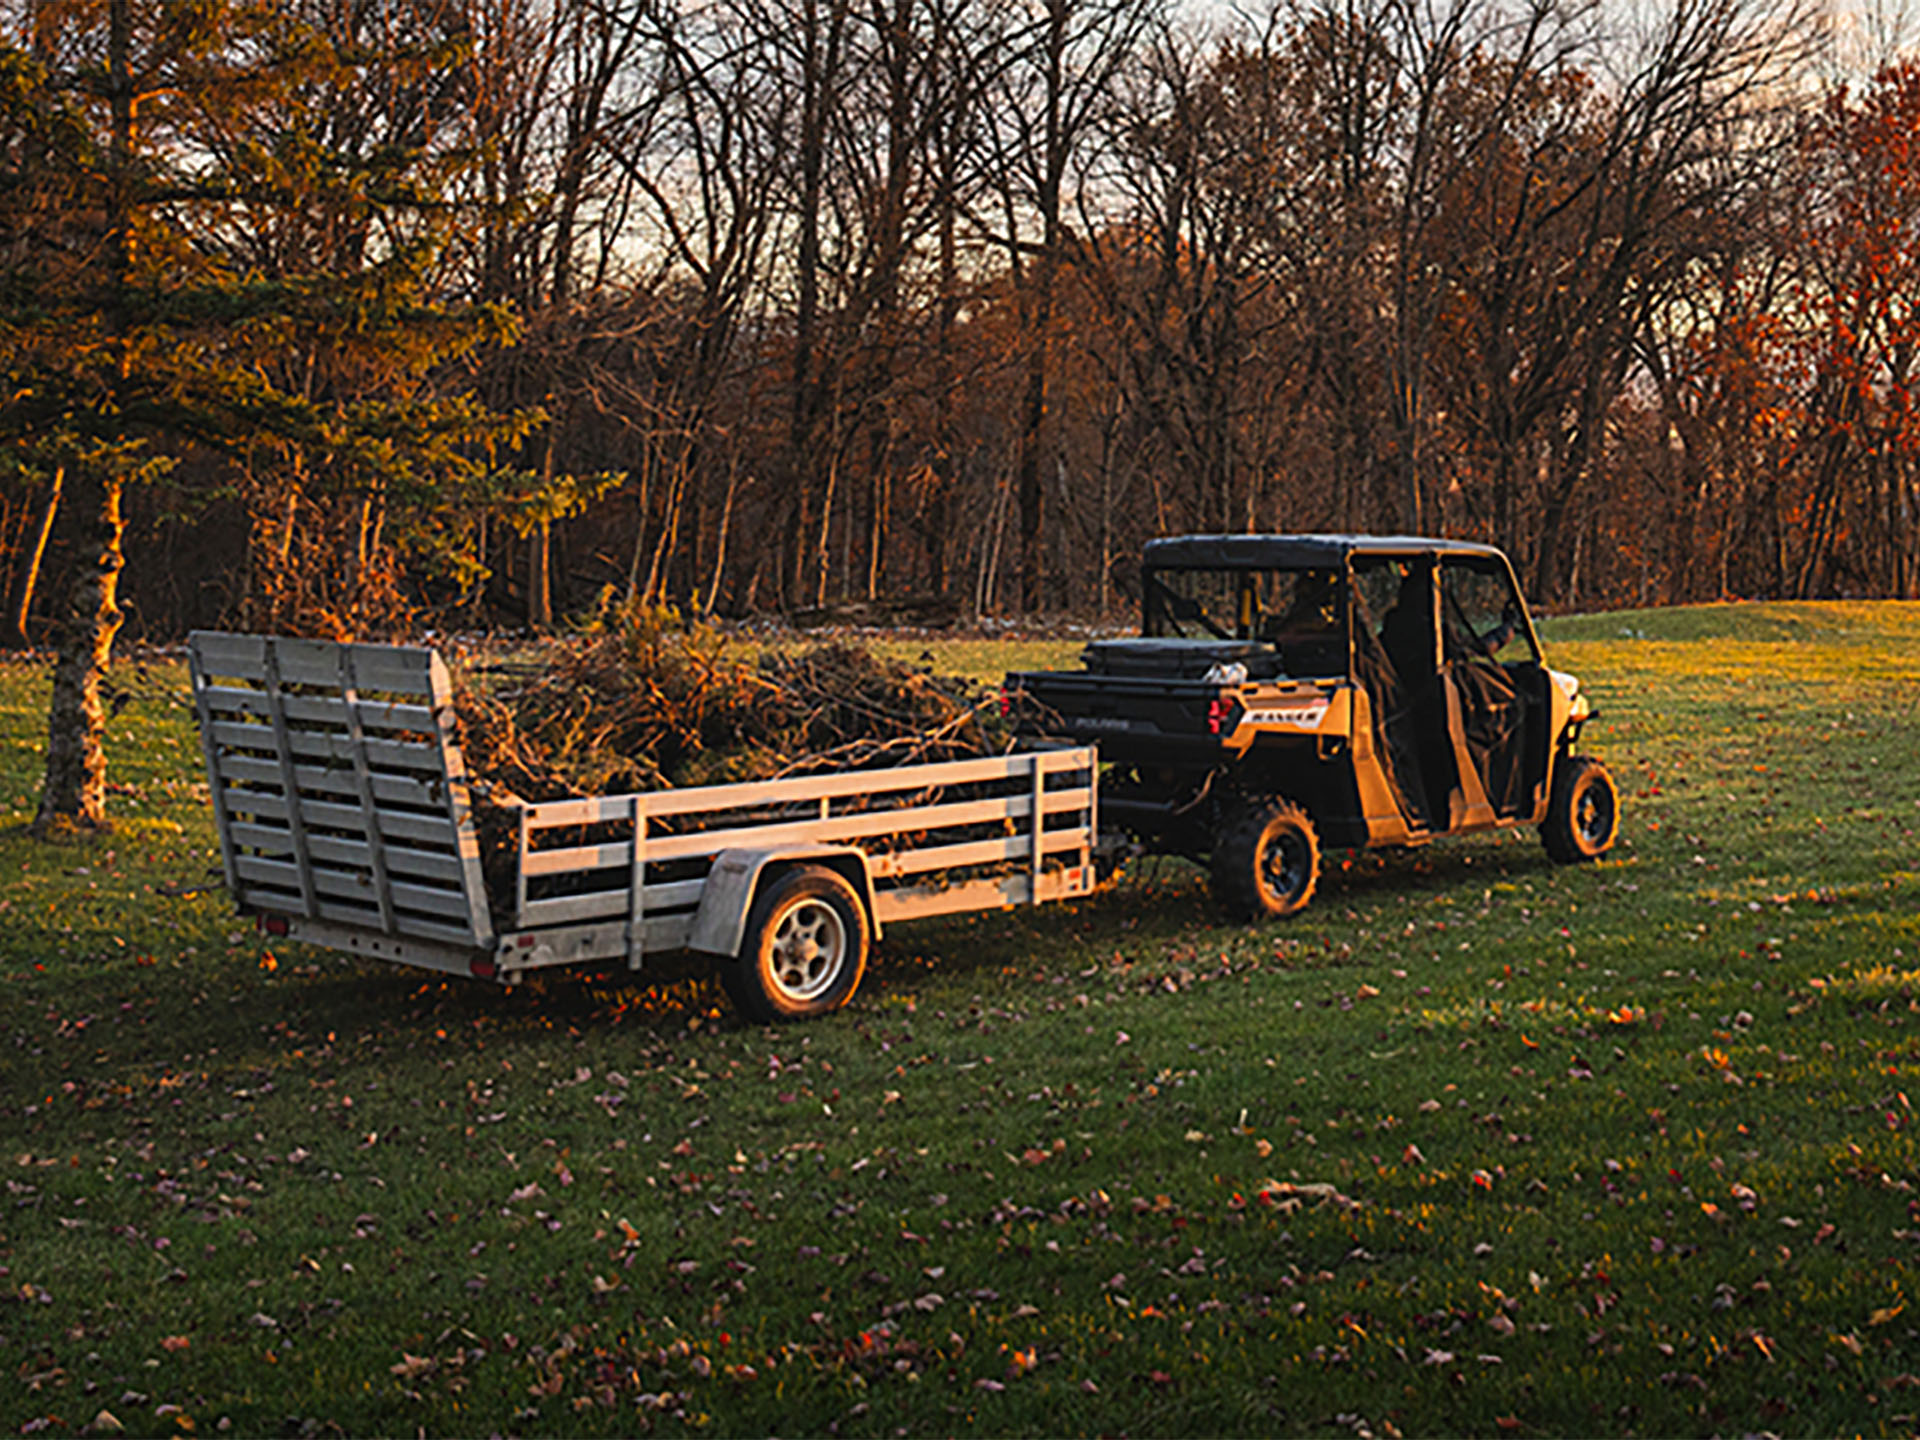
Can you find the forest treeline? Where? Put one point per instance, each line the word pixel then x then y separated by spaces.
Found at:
pixel 350 316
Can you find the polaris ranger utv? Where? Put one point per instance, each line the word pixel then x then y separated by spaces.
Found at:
pixel 1290 691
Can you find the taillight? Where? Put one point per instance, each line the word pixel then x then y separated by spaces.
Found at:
pixel 271 924
pixel 1006 703
pixel 1217 710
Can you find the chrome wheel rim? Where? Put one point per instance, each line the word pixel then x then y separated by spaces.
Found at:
pixel 809 949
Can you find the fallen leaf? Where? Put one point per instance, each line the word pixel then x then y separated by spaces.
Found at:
pixel 410 1365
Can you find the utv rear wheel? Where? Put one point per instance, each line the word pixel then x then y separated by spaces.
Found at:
pixel 1583 814
pixel 804 951
pixel 1266 864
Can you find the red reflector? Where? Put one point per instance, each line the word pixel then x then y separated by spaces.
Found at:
pixel 483 968
pixel 525 942
pixel 1006 703
pixel 273 924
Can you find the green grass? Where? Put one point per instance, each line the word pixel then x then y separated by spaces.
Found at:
pixel 1476 1146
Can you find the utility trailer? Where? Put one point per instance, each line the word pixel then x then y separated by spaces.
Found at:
pixel 347 820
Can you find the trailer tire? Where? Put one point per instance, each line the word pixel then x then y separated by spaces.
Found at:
pixel 1267 862
pixel 1583 811
pixel 804 950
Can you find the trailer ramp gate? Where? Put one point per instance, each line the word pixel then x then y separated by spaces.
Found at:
pixel 340 795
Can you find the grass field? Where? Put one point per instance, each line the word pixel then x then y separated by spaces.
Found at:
pixel 1477 1145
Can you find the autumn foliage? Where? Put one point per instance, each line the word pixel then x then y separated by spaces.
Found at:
pixel 935 308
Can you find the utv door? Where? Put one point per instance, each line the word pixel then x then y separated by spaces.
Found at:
pixel 1492 659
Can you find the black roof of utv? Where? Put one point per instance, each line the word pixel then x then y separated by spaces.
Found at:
pixel 1294 552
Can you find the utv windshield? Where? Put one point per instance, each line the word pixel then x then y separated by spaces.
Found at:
pixel 1281 607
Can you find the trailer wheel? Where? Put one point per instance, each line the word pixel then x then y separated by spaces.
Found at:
pixel 804 951
pixel 1583 812
pixel 1266 863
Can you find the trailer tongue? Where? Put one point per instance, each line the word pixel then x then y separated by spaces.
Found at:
pixel 347 820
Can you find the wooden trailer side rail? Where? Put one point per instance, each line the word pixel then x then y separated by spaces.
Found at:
pixel 1042 806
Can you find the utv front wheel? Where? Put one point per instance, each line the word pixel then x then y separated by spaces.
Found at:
pixel 804 951
pixel 1266 864
pixel 1583 814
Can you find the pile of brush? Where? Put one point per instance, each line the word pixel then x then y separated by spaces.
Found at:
pixel 650 700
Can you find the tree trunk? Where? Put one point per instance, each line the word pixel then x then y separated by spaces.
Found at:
pixel 539 582
pixel 75 793
pixel 31 554
pixel 540 559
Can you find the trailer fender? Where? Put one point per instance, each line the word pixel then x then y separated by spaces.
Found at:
pixel 734 879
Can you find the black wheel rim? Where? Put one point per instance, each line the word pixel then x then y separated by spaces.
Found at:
pixel 1593 815
pixel 1284 864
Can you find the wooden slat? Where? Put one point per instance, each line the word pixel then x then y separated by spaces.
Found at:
pixel 373 714
pixel 333 850
pixel 349 885
pixel 841 828
pixel 399 669
pixel 708 799
pixel 323 710
pixel 337 748
pixel 233 700
pixel 388 789
pixel 595 904
pixel 239 657
pixel 973 852
pixel 570 909
pixel 394 824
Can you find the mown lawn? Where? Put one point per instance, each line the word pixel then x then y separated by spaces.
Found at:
pixel 1476 1146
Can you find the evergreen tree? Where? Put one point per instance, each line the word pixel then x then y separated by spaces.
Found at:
pixel 196 264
